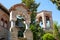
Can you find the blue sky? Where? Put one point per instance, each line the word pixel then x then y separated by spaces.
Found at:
pixel 44 5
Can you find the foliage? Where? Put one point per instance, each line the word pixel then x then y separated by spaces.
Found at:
pixel 33 28
pixel 37 32
pixel 48 36
pixel 28 2
pixel 57 2
pixel 56 31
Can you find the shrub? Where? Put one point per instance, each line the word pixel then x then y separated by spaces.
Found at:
pixel 48 36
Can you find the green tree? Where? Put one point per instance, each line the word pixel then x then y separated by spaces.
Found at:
pixel 56 31
pixel 37 31
pixel 57 2
pixel 48 36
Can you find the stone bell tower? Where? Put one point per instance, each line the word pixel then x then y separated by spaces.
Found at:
pixel 20 9
pixel 44 17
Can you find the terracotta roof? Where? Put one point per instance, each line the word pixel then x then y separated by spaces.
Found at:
pixel 4 9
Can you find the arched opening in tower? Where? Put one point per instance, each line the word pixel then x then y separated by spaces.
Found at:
pixel 47 22
pixel 41 23
pixel 21 25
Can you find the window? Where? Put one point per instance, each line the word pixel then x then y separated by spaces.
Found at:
pixel 20 33
pixel 5 24
pixel 47 22
pixel 41 22
pixel 19 21
pixel 2 22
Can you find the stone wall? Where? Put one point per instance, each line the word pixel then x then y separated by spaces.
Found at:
pixel 3 33
pixel 5 18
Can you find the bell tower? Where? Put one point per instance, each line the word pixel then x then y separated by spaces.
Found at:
pixel 24 16
pixel 45 17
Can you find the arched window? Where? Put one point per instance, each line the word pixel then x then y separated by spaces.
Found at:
pixel 19 21
pixel 2 22
pixel 21 25
pixel 5 24
pixel 41 23
pixel 47 22
pixel 20 33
